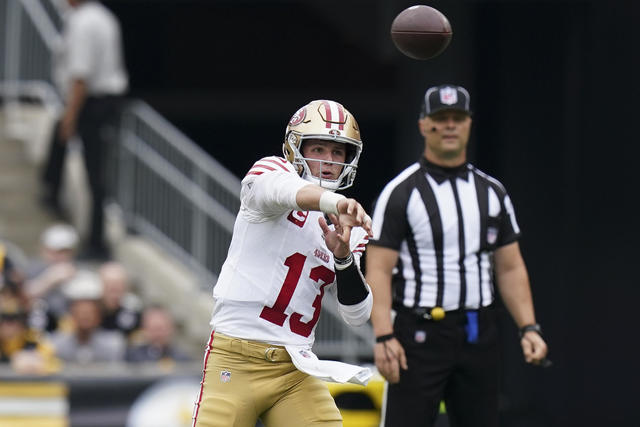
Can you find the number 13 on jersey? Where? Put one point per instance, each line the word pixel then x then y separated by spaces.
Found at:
pixel 276 313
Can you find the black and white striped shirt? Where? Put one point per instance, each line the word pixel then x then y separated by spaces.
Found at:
pixel 445 223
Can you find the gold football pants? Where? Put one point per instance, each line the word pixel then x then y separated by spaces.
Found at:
pixel 246 380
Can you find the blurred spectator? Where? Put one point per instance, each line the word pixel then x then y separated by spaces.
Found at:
pixel 11 278
pixel 26 351
pixel 17 340
pixel 56 262
pixel 91 76
pixel 120 308
pixel 45 275
pixel 156 340
pixel 82 340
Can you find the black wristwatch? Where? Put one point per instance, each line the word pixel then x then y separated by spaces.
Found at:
pixel 533 327
pixel 384 338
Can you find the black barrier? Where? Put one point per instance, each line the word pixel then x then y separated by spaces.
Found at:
pixel 106 395
pixel 146 395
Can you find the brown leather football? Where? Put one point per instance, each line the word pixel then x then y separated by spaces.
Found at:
pixel 421 32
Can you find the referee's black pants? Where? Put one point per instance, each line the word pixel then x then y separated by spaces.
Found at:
pixel 444 366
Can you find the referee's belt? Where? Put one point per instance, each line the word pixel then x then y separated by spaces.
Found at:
pixel 431 313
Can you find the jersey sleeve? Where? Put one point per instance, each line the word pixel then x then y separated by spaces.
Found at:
pixel 390 217
pixel 269 189
pixel 359 240
pixel 509 229
pixel 357 314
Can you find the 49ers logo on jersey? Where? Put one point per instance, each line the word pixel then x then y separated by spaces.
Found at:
pixel 298 217
pixel 318 253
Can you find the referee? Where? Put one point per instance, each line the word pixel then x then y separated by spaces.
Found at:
pixel 445 234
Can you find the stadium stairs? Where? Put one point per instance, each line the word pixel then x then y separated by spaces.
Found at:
pixel 157 278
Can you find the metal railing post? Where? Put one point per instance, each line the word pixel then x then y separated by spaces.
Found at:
pixel 13 27
pixel 199 225
pixel 126 169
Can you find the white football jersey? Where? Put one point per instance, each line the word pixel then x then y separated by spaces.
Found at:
pixel 278 267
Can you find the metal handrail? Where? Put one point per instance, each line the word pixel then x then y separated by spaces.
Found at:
pixel 51 37
pixel 33 89
pixel 180 182
pixel 177 139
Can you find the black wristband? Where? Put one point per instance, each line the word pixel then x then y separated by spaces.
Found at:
pixel 533 327
pixel 342 263
pixel 383 338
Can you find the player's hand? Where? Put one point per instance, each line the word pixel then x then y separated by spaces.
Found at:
pixel 534 348
pixel 338 240
pixel 352 214
pixel 390 358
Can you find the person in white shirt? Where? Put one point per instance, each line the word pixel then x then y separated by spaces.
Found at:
pixel 92 78
pixel 80 339
pixel 294 238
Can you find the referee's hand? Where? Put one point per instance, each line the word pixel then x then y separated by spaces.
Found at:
pixel 390 358
pixel 534 348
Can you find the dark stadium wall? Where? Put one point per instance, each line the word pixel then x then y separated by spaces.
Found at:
pixel 554 91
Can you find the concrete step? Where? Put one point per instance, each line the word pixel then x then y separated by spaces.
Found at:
pixel 12 153
pixel 20 198
pixel 22 217
pixel 25 235
pixel 17 178
pixel 19 214
pixel 31 125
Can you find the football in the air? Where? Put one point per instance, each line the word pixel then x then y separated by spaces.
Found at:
pixel 421 32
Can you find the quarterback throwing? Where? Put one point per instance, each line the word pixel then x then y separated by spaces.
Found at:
pixel 294 239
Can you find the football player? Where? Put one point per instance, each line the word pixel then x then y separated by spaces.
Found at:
pixel 294 239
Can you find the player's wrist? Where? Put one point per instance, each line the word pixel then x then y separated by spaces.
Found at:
pixel 329 202
pixel 384 338
pixel 532 327
pixel 343 263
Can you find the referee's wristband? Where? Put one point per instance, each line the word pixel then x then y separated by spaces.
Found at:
pixel 532 327
pixel 384 338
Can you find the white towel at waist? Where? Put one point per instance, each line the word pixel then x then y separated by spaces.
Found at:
pixel 328 370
